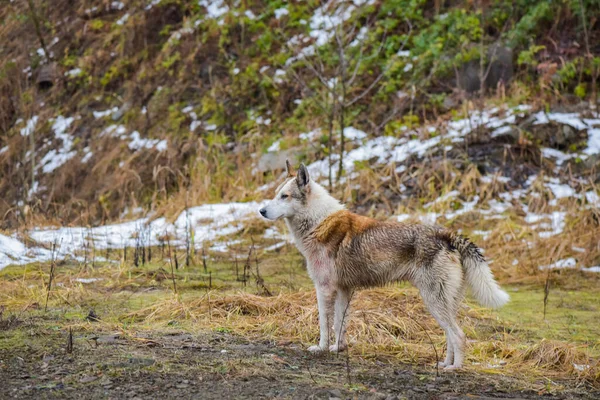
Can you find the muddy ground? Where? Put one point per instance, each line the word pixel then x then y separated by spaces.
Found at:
pixel 219 365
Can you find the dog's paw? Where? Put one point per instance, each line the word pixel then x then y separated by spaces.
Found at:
pixel 315 349
pixel 452 367
pixel 334 348
pixel 442 364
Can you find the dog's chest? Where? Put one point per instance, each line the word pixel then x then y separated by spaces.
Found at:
pixel 320 265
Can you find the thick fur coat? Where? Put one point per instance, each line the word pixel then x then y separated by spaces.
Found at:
pixel 345 251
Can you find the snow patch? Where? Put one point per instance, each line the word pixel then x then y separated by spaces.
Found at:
pixel 56 158
pixel 560 264
pixel 280 12
pixel 29 126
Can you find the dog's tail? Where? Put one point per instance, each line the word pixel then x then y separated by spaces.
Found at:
pixel 478 274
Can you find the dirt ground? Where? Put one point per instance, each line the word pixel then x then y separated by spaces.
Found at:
pixel 219 365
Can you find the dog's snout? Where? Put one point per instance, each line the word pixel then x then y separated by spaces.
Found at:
pixel 263 212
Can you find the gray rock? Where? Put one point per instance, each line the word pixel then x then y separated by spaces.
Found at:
pixel 117 115
pixel 276 160
pixel 498 68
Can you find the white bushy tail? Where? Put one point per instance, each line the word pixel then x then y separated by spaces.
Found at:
pixel 479 276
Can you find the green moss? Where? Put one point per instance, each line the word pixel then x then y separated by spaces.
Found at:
pixel 571 315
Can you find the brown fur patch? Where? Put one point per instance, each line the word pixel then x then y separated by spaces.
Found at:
pixel 340 228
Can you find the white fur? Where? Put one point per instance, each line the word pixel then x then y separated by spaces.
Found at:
pixel 483 285
pixel 303 214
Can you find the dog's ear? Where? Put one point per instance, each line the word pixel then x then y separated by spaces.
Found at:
pixel 302 178
pixel 289 170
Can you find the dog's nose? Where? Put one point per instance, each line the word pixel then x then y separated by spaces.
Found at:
pixel 263 212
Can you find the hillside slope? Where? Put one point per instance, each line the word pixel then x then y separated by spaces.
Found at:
pixel 111 106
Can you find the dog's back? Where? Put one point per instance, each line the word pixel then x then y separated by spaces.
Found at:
pixel 369 253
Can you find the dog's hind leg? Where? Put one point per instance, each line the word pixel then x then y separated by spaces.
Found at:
pixel 441 288
pixel 342 309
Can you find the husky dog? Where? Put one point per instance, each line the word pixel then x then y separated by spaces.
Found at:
pixel 346 251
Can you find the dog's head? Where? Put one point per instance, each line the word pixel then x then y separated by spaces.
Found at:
pixel 291 196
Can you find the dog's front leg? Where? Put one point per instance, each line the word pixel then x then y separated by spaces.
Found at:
pixel 325 297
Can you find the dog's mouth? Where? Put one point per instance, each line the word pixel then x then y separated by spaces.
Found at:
pixel 265 214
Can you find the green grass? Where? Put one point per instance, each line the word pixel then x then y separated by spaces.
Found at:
pixel 570 315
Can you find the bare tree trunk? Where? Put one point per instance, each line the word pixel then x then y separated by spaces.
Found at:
pixel 482 56
pixel 330 146
pixel 32 143
pixel 342 103
pixel 342 135
pixel 38 31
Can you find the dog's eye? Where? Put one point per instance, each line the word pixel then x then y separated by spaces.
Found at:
pixel 284 196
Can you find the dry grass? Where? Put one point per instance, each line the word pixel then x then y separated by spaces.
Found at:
pixel 388 323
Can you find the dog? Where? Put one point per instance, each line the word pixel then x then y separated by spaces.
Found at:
pixel 346 251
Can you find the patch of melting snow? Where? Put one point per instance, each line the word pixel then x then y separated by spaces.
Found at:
pixel 274 147
pixel 352 133
pixel 310 136
pixel 593 145
pixel 560 264
pixel 484 234
pixel 581 367
pixel 4 149
pixel 280 12
pixel 13 251
pixel 224 247
pixel 123 19
pixel 556 225
pixel 29 126
pixel 450 195
pixel 560 156
pixel 468 206
pixel 114 131
pixel 360 36
pixel 592 198
pixel 391 149
pixel 561 191
pixel 571 119
pixel 323 24
pixel 275 246
pixel 209 222
pixel 277 76
pixel 152 4
pixel 73 72
pixel 87 155
pixel 102 114
pixel 56 158
pixel 137 142
pixel 88 280
pixel 403 217
pixel 215 9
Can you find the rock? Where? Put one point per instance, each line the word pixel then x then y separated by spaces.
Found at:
pixel 276 160
pixel 565 136
pixel 141 361
pixel 88 379
pixel 378 396
pixel 92 316
pixel 108 338
pixel 117 115
pixel 498 65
